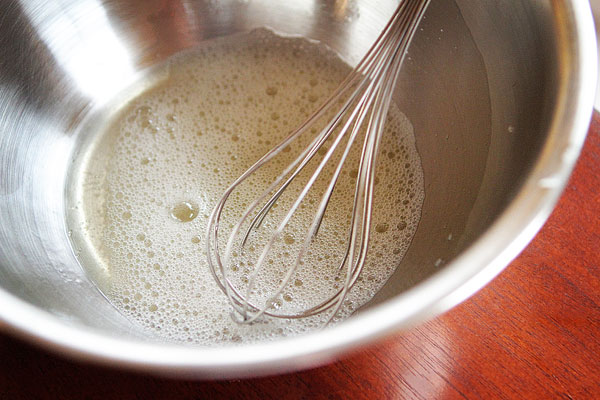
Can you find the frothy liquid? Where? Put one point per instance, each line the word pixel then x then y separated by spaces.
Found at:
pixel 146 184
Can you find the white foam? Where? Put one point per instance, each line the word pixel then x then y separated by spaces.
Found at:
pixel 185 140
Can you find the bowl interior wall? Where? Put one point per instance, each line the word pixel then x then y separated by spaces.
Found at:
pixel 475 87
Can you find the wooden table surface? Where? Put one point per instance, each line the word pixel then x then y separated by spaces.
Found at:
pixel 534 332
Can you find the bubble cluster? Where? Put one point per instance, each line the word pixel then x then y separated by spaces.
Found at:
pixel 148 184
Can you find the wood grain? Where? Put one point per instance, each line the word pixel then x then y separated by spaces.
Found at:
pixel 534 332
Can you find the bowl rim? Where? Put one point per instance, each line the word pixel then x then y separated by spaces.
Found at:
pixel 458 280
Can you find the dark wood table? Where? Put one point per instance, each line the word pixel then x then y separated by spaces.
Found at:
pixel 534 332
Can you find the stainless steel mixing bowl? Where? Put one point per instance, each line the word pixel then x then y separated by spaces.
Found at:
pixel 499 93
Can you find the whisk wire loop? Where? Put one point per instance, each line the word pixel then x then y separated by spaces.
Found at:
pixel 368 94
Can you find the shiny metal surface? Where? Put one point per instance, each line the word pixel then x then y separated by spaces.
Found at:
pixel 505 93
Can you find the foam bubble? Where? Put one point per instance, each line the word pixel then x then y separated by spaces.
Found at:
pixel 168 155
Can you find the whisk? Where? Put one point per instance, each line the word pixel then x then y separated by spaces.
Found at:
pixel 363 100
